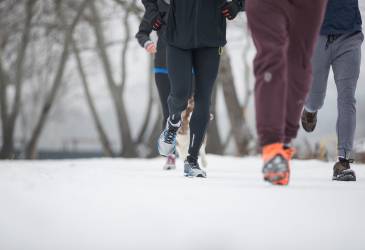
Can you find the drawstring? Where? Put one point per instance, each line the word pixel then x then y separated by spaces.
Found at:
pixel 331 39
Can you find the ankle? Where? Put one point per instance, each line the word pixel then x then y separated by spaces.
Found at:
pixel 345 160
pixel 192 159
pixel 287 145
pixel 175 120
pixel 271 150
pixel 173 127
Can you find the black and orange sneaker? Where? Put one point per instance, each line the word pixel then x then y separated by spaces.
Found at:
pixel 276 159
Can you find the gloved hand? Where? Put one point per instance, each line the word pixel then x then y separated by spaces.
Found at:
pixel 157 22
pixel 231 9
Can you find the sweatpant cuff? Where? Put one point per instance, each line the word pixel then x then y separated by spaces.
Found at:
pixel 343 153
pixel 309 110
pixel 271 138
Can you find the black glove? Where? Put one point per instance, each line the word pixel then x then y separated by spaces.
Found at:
pixel 157 22
pixel 231 9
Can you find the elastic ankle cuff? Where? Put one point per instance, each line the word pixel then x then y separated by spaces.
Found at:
pixel 345 154
pixel 309 110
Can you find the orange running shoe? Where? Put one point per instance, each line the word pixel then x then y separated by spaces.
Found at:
pixel 276 159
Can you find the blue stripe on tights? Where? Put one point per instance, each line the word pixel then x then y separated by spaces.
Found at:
pixel 159 70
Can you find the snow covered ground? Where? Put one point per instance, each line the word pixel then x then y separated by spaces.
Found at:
pixel 132 204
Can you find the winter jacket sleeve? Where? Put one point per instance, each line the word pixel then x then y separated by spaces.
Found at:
pixel 143 34
pixel 151 10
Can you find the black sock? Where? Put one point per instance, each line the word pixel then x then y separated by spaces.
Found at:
pixel 192 159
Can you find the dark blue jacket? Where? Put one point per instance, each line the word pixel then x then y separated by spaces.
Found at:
pixel 342 16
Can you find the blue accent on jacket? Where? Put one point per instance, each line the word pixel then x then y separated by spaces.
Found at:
pixel 342 16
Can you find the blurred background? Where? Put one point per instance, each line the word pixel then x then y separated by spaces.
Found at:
pixel 74 83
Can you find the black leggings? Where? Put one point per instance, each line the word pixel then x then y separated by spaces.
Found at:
pixel 163 87
pixel 205 62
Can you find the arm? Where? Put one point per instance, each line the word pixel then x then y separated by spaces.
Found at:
pixel 143 34
pixel 143 37
pixel 151 10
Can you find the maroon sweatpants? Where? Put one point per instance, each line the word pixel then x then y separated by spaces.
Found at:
pixel 284 32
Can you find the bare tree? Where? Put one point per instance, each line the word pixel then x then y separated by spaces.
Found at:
pixel 240 130
pixel 9 119
pixel 107 149
pixel 69 29
pixel 116 90
pixel 50 24
pixel 214 141
pixel 147 118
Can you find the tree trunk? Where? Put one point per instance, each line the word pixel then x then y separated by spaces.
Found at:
pixel 147 119
pixel 32 144
pixel 9 121
pixel 7 146
pixel 129 146
pixel 240 130
pixel 151 144
pixel 214 142
pixel 104 141
pixel 126 141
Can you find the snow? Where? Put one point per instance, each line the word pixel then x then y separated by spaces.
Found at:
pixel 133 204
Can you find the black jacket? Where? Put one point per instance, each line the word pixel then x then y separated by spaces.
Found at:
pixel 193 23
pixel 342 16
pixel 145 29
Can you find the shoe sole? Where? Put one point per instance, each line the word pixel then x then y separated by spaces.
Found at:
pixel 309 130
pixel 347 175
pixel 344 178
pixel 193 176
pixel 280 179
pixel 169 167
pixel 165 155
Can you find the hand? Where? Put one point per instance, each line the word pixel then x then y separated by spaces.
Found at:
pixel 157 22
pixel 151 48
pixel 230 9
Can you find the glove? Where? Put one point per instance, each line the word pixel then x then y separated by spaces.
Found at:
pixel 231 9
pixel 157 22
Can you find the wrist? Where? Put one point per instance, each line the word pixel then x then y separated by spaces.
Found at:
pixel 147 43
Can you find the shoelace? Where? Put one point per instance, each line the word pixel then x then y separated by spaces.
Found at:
pixel 169 136
pixel 194 166
pixel 346 163
pixel 311 116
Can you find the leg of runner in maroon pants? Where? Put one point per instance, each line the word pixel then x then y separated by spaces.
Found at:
pixel 284 33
